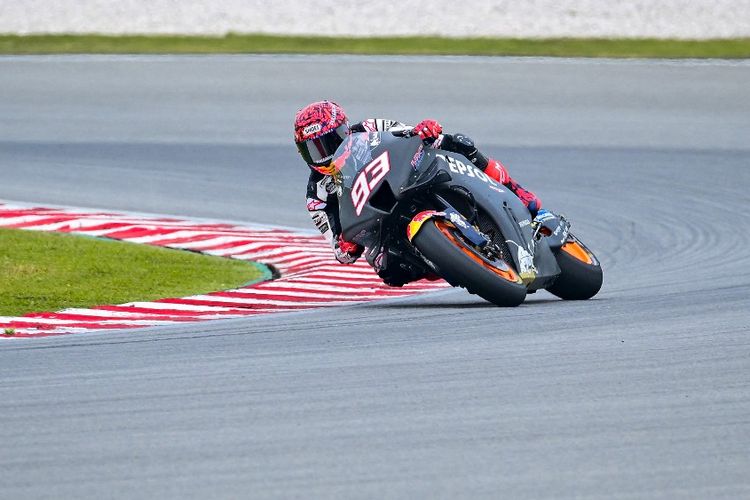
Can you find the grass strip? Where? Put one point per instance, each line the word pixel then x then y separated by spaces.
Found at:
pixel 52 271
pixel 271 44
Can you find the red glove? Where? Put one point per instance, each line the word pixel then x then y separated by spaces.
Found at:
pixel 346 252
pixel 428 129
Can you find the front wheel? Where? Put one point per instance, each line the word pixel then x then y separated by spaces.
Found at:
pixel 459 263
pixel 581 274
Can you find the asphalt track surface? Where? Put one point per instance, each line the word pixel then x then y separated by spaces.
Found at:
pixel 643 392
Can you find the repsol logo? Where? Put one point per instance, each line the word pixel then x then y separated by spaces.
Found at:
pixel 459 167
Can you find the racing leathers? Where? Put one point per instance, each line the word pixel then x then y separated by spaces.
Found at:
pixel 323 205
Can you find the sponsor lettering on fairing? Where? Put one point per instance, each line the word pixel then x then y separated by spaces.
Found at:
pixel 417 158
pixel 459 167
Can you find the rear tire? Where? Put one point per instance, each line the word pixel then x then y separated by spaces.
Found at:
pixel 459 264
pixel 579 280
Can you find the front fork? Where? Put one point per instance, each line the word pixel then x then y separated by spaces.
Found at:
pixel 555 228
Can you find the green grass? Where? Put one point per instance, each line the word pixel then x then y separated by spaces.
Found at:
pixel 49 272
pixel 269 44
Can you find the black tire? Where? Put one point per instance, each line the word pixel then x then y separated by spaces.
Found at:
pixel 460 269
pixel 578 280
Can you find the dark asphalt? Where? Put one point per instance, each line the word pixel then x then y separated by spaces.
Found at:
pixel 643 392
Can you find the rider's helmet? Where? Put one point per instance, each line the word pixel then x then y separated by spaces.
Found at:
pixel 319 129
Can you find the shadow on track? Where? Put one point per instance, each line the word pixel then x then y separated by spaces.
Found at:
pixel 456 305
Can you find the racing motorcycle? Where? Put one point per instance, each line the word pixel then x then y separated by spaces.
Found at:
pixel 423 212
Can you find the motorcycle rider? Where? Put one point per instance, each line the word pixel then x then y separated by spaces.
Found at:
pixel 319 129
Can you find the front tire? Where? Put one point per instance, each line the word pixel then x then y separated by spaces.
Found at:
pixel 462 265
pixel 581 277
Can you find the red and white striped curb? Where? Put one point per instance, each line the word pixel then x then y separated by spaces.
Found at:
pixel 310 277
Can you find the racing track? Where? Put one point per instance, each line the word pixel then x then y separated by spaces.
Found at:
pixel 641 393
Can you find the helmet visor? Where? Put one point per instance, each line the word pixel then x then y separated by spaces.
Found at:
pixel 319 151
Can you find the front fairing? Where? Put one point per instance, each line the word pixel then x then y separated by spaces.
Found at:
pixel 371 169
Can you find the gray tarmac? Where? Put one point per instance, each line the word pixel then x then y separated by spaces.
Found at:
pixel 642 392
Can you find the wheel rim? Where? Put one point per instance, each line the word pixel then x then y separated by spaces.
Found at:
pixel 447 230
pixel 576 250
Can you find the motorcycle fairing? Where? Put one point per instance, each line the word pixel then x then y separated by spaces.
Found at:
pixel 507 210
pixel 364 210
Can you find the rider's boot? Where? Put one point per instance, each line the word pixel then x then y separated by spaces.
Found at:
pixel 498 172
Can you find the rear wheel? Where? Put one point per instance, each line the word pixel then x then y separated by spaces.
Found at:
pixel 581 276
pixel 461 264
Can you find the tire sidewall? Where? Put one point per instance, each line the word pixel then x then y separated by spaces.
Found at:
pixel 577 280
pixel 461 270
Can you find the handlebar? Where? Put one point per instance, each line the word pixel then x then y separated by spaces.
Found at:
pixel 404 132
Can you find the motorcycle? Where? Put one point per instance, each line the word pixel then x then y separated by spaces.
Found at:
pixel 423 212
